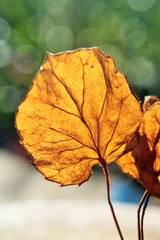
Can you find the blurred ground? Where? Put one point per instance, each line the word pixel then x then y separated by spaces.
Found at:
pixel 32 208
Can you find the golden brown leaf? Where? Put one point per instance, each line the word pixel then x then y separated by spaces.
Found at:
pixel 79 112
pixel 143 163
pixel 149 101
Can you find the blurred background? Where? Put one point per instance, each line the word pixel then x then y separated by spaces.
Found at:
pixel 129 31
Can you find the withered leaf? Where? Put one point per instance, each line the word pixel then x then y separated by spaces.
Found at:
pixel 80 111
pixel 149 101
pixel 143 162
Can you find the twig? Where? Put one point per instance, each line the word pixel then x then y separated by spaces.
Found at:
pixel 110 203
pixel 143 213
pixel 144 200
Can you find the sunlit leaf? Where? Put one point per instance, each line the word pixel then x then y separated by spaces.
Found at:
pixel 80 111
pixel 143 162
pixel 149 101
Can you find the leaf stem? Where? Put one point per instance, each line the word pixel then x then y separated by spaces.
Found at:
pixel 143 213
pixel 109 201
pixel 140 217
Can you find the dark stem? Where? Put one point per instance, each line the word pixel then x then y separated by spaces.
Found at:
pixel 139 220
pixel 143 213
pixel 110 203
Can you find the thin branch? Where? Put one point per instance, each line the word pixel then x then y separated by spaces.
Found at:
pixel 143 213
pixel 139 221
pixel 110 203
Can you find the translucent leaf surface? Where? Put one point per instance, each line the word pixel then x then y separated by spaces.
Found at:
pixel 143 162
pixel 80 111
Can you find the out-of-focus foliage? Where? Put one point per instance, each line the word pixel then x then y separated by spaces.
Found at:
pixel 128 30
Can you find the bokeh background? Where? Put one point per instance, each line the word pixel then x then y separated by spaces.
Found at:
pixel 129 31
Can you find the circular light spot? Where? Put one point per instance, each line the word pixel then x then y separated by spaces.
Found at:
pixel 59 39
pixel 25 59
pixel 66 1
pixel 108 26
pixel 116 53
pixel 5 30
pixel 5 56
pixel 89 10
pixel 38 26
pixel 9 98
pixel 56 9
pixel 133 33
pixel 85 37
pixel 141 5
pixel 141 72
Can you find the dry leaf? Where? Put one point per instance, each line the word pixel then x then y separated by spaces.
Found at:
pixel 149 101
pixel 143 163
pixel 80 111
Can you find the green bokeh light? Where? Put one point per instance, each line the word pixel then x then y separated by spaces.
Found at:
pixel 5 30
pixel 5 54
pixel 43 25
pixel 133 33
pixel 26 59
pixel 141 71
pixel 127 30
pixel 141 5
pixel 9 98
pixel 59 38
